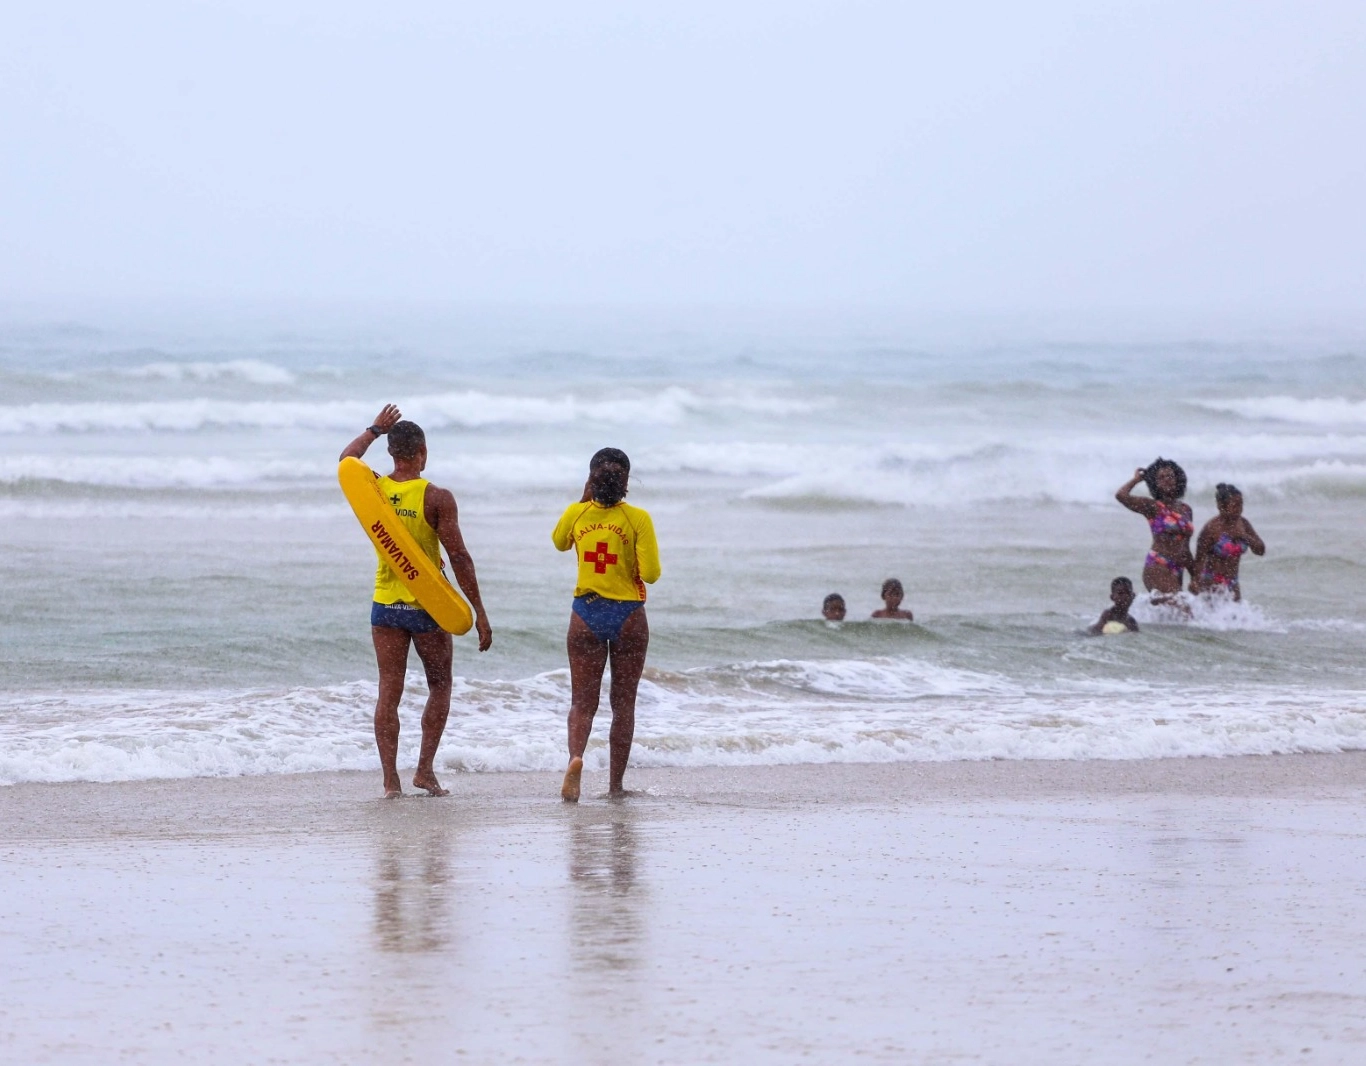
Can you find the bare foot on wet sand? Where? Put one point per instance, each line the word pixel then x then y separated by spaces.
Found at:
pixel 429 784
pixel 569 791
pixel 393 793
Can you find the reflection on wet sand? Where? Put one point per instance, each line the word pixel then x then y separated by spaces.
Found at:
pixel 1185 848
pixel 1195 893
pixel 607 924
pixel 412 891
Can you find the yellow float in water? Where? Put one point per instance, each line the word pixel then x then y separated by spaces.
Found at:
pixel 397 546
pixel 1110 629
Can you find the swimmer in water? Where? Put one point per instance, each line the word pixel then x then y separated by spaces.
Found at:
pixel 1222 543
pixel 833 609
pixel 1122 598
pixel 617 557
pixel 1170 522
pixel 396 621
pixel 892 595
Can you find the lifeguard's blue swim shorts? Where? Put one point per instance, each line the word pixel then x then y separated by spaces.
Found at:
pixel 407 616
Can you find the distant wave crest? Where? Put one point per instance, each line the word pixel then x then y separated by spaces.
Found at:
pixel 451 410
pixel 1325 411
pixel 253 371
pixel 1078 470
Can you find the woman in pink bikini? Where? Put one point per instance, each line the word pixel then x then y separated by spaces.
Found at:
pixel 1222 543
pixel 1170 521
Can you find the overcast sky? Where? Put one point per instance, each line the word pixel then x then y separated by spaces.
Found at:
pixel 971 155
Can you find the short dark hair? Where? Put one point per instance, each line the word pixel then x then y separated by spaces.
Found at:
pixel 892 584
pixel 1122 583
pixel 834 597
pixel 1224 491
pixel 406 439
pixel 1150 477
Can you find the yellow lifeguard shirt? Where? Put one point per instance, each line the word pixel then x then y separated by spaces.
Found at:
pixel 408 499
pixel 616 549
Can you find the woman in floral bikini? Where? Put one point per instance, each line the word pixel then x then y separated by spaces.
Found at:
pixel 1222 543
pixel 1170 521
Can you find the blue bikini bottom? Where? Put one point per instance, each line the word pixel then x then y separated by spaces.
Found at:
pixel 603 616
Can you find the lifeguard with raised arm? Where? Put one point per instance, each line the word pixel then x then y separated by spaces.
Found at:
pixel 396 620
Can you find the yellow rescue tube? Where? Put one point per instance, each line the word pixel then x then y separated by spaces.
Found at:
pixel 391 539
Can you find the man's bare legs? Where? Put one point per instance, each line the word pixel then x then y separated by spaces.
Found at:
pixel 434 649
pixel 391 654
pixel 587 659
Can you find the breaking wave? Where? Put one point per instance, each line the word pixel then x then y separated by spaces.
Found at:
pixel 1325 411
pixel 252 371
pixel 758 713
pixel 450 410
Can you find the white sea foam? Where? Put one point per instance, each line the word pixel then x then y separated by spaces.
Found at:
pixel 1328 625
pixel 172 471
pixel 253 371
pixel 218 511
pixel 452 410
pixel 1328 477
pixel 758 713
pixel 182 415
pixel 889 476
pixel 935 474
pixel 1323 411
pixel 503 470
pixel 1216 612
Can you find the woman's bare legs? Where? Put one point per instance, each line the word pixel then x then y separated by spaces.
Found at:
pixel 587 659
pixel 628 662
pixel 1164 585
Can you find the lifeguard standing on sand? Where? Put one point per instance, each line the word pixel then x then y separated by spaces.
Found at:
pixel 617 556
pixel 429 513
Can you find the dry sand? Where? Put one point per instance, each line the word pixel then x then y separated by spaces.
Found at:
pixel 1180 911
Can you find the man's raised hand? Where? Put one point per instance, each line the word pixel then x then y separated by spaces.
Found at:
pixel 388 418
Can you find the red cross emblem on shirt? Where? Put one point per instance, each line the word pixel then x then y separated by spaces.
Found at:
pixel 600 558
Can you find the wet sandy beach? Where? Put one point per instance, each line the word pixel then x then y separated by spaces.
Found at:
pixel 1055 912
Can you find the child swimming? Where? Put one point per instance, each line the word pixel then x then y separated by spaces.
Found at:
pixel 892 595
pixel 1117 619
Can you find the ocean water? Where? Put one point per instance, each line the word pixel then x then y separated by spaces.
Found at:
pixel 187 592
